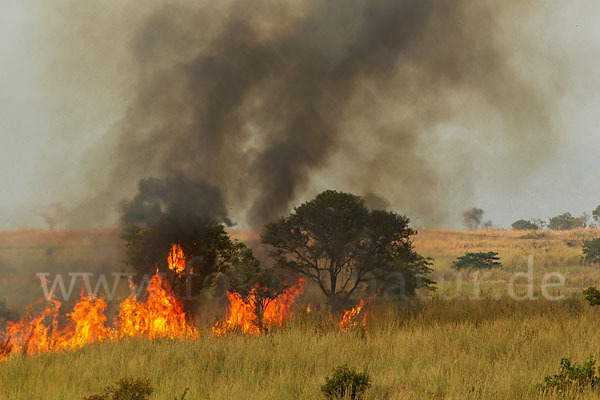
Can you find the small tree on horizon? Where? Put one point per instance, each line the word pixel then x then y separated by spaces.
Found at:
pixel 524 225
pixel 338 243
pixel 564 222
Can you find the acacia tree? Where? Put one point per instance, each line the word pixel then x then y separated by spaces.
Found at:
pixel 338 243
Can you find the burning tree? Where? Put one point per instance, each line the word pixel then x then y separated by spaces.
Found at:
pixel 338 243
pixel 190 213
pixel 257 288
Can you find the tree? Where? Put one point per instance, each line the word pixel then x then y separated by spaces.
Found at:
pixel 564 222
pixel 258 287
pixel 524 225
pixel 596 214
pixel 472 218
pixel 591 250
pixel 338 243
pixel 584 219
pixel 208 250
pixel 179 211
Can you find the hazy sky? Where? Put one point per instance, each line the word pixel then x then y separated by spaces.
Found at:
pixel 45 132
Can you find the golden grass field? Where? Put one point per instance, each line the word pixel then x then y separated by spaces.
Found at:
pixel 436 348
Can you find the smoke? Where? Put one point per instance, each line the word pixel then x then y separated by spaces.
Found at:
pixel 182 200
pixel 257 107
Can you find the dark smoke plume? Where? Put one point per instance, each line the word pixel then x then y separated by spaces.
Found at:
pixel 182 200
pixel 251 101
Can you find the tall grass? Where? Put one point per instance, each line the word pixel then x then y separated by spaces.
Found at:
pixel 436 349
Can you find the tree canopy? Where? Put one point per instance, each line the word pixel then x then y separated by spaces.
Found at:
pixel 564 222
pixel 524 225
pixel 338 243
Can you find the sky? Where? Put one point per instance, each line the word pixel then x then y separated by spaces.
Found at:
pixel 48 124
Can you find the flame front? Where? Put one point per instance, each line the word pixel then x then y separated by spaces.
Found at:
pixel 32 335
pixel 160 315
pixel 242 311
pixel 350 317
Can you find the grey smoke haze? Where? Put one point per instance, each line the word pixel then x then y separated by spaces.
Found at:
pixel 264 102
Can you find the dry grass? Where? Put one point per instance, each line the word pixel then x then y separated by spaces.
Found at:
pixel 444 350
pixel 438 348
pixel 549 248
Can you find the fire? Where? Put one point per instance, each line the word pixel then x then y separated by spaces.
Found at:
pixel 177 260
pixel 32 335
pixel 242 313
pixel 87 323
pixel 160 315
pixel 350 317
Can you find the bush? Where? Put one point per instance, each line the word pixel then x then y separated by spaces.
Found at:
pixel 477 261
pixel 591 250
pixel 571 376
pixel 125 389
pixel 346 384
pixel 592 295
pixel 523 225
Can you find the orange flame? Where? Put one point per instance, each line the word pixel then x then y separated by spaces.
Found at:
pixel 160 315
pixel 350 317
pixel 32 335
pixel 242 311
pixel 177 260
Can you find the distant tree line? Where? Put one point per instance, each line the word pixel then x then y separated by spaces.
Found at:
pixel 560 222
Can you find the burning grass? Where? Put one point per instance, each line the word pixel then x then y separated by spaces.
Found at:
pixel 438 349
pixel 160 315
pixel 251 317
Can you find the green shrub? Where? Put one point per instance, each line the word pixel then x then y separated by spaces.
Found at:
pixel 592 295
pixel 477 261
pixel 125 389
pixel 571 377
pixel 346 384
pixel 591 250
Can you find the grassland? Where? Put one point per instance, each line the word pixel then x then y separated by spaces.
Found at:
pixel 437 347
